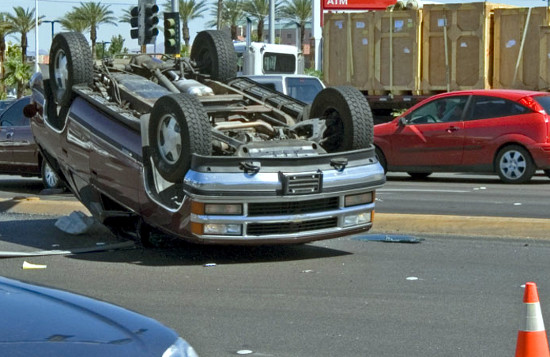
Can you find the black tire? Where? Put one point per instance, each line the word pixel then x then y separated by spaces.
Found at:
pixel 178 127
pixel 70 64
pixel 381 159
pixel 348 118
pixel 214 54
pixel 547 173
pixel 50 178
pixel 419 175
pixel 514 164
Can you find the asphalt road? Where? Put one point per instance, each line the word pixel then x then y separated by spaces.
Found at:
pixel 446 295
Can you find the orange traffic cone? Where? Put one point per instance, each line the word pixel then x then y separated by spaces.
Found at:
pixel 532 340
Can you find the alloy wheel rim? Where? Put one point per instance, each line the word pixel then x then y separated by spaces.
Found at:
pixel 169 139
pixel 513 165
pixel 50 176
pixel 61 72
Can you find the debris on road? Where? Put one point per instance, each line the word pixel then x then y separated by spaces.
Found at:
pixel 393 238
pixel 27 265
pixel 76 223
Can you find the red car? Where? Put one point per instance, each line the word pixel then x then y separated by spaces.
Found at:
pixel 500 131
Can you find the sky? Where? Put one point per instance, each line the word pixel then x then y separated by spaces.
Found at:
pixel 55 9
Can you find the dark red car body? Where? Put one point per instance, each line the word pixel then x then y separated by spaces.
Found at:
pixel 492 124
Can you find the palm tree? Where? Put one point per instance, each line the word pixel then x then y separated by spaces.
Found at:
pixel 300 12
pixel 189 10
pixel 5 29
pixel 232 16
pixel 71 23
pixel 94 14
pixel 126 15
pixel 22 22
pixel 258 9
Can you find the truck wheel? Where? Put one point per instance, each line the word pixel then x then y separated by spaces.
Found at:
pixel 348 118
pixel 514 164
pixel 71 64
pixel 50 179
pixel 214 54
pixel 178 128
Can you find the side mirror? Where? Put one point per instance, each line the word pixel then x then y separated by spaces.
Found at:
pixel 30 110
pixel 402 121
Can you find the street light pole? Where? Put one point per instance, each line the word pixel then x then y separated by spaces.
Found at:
pixel 53 23
pixel 36 66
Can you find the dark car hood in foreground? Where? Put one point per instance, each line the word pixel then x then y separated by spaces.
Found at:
pixel 56 323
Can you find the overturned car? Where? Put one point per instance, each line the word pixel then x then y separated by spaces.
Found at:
pixel 180 147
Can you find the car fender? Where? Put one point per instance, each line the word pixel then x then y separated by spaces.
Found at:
pixel 511 139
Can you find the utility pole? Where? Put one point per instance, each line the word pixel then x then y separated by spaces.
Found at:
pixel 219 18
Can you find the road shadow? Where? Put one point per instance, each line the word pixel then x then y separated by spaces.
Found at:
pixel 42 235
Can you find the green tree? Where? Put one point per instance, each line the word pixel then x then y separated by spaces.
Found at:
pixel 117 45
pixel 126 15
pixel 72 23
pixel 94 14
pixel 298 11
pixel 232 16
pixel 17 73
pixel 5 29
pixel 258 9
pixel 189 10
pixel 22 22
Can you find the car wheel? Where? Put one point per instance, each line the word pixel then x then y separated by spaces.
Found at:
pixel 514 164
pixel 214 54
pixel 419 175
pixel 547 173
pixel 178 128
pixel 70 64
pixel 348 118
pixel 381 159
pixel 50 179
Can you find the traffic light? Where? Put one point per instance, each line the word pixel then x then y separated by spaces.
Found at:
pixel 172 44
pixel 134 22
pixel 150 21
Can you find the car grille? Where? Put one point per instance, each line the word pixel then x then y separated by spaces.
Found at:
pixel 296 207
pixel 261 229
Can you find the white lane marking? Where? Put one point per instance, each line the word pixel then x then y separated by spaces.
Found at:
pixel 419 190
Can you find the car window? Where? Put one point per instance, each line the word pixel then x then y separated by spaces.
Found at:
pixel 13 115
pixel 438 111
pixel 485 107
pixel 544 101
pixel 304 89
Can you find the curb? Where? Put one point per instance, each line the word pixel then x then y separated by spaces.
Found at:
pixel 387 223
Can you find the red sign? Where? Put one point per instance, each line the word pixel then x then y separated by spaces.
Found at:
pixel 357 4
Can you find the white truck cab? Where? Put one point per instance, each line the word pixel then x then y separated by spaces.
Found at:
pixel 260 58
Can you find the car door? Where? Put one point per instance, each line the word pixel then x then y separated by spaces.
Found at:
pixel 431 136
pixel 18 154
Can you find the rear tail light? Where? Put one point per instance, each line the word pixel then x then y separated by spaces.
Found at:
pixel 532 104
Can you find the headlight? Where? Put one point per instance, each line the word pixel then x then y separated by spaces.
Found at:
pixel 233 209
pixel 180 348
pixel 360 199
pixel 222 229
pixel 357 219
